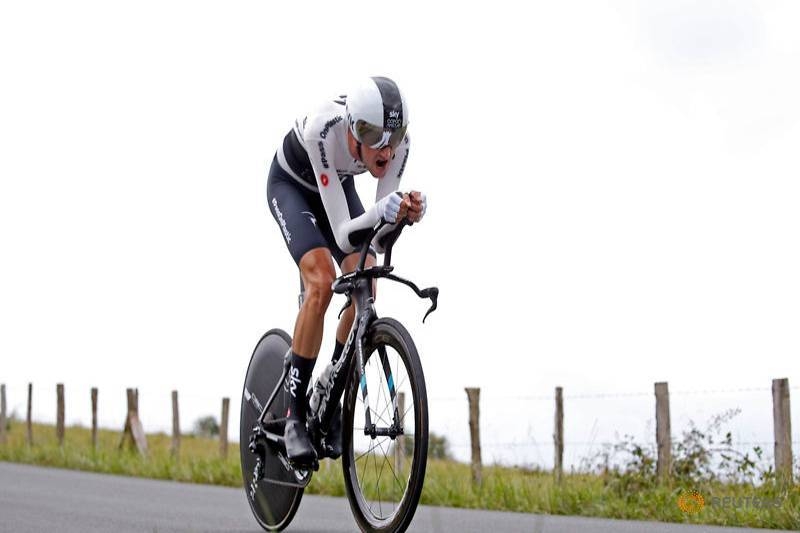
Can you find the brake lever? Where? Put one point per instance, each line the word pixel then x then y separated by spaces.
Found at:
pixel 433 294
pixel 430 292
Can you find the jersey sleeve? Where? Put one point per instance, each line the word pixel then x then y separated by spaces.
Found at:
pixel 349 233
pixel 391 183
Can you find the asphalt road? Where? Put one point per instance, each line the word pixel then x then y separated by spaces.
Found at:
pixel 47 499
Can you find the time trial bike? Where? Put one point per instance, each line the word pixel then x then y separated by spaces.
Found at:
pixel 384 415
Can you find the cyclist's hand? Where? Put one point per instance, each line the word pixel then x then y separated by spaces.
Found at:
pixel 418 206
pixel 392 206
pixel 405 205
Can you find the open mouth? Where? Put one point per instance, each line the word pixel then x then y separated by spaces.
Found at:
pixel 380 163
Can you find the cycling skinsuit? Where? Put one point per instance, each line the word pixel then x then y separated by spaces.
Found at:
pixel 310 189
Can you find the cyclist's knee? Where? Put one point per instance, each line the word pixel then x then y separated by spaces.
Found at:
pixel 318 294
pixel 318 274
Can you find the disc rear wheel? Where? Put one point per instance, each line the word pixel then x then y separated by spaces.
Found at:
pixel 273 503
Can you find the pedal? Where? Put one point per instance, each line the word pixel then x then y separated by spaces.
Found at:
pixel 329 452
pixel 299 467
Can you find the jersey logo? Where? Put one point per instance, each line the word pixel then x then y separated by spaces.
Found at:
pixel 328 125
pixel 311 217
pixel 324 179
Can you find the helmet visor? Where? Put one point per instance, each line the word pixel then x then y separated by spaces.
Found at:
pixel 377 137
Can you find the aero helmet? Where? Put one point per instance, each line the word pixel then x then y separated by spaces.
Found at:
pixel 377 113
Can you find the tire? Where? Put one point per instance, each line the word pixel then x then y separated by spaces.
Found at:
pixel 385 504
pixel 274 505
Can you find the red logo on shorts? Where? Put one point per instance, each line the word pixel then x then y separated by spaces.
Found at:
pixel 324 179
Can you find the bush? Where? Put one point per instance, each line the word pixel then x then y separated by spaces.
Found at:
pixel 206 427
pixel 438 447
pixel 699 456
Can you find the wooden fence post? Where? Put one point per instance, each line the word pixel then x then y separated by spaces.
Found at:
pixel 176 427
pixel 60 413
pixel 558 436
pixel 473 394
pixel 2 414
pixel 29 418
pixel 133 431
pixel 663 438
pixel 223 429
pixel 94 418
pixel 400 442
pixel 782 425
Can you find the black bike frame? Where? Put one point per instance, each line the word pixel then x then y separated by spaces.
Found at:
pixel 357 286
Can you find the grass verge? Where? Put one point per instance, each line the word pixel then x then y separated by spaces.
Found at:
pixel 447 483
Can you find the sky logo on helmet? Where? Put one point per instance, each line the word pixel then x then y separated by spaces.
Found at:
pixel 393 120
pixel 393 123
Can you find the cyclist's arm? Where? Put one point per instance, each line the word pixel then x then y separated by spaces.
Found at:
pixel 391 183
pixel 349 233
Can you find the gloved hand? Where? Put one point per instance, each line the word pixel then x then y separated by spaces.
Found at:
pixel 419 205
pixel 392 205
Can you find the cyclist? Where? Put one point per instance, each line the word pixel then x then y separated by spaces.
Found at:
pixel 313 199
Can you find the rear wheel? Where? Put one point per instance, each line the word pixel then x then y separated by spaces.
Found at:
pixel 384 472
pixel 272 503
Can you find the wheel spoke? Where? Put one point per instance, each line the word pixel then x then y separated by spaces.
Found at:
pixel 372 447
pixel 379 416
pixel 375 462
pixel 393 473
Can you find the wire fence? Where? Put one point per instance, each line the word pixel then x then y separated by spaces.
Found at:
pixel 517 428
pixel 601 420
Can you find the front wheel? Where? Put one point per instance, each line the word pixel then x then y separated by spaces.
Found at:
pixel 384 466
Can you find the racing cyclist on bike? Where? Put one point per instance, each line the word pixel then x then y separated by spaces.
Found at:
pixel 313 199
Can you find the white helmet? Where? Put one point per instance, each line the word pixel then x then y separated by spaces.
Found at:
pixel 377 113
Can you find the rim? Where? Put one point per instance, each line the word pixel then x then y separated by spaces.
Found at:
pixel 381 467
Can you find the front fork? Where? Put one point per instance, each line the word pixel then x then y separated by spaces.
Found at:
pixel 370 428
pixel 335 387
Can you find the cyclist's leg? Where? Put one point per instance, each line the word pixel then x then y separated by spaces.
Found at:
pixel 345 323
pixel 292 208
pixel 316 269
pixel 296 211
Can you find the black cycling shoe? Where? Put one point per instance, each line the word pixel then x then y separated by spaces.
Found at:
pixel 298 444
pixel 333 440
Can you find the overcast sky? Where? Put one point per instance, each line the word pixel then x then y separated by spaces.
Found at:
pixel 613 192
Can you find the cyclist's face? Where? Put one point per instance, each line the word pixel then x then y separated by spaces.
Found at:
pixel 377 161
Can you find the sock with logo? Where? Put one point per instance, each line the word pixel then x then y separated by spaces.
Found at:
pixel 337 352
pixel 297 383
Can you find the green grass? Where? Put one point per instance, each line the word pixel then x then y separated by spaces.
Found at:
pixel 447 483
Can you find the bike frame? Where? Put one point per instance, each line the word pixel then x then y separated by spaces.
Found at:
pixel 357 286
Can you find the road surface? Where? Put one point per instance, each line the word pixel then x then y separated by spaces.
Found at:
pixel 34 499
